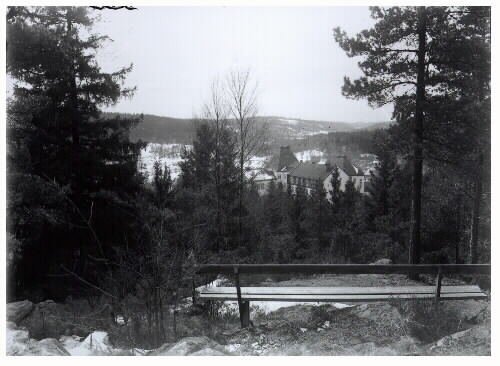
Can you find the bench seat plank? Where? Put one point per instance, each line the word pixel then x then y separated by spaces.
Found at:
pixel 339 290
pixel 339 298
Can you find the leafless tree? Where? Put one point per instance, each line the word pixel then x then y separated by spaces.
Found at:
pixel 242 94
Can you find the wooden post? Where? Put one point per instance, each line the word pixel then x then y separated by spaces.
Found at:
pixel 194 291
pixel 438 284
pixel 243 306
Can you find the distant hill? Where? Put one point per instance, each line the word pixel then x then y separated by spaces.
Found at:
pixel 160 129
pixel 178 130
pixel 297 128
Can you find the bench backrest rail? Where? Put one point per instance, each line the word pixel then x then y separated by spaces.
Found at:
pixel 346 268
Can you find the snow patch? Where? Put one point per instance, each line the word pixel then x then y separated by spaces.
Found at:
pixel 215 283
pixel 17 339
pixel 257 162
pixel 167 154
pixel 311 155
pixel 266 307
pixel 232 348
pixel 96 343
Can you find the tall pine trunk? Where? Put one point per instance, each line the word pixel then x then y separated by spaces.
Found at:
pixel 76 176
pixel 478 186
pixel 476 207
pixel 459 228
pixel 415 222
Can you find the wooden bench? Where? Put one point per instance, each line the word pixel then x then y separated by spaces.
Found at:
pixel 339 294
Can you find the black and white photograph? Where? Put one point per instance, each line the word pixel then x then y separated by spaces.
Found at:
pixel 247 180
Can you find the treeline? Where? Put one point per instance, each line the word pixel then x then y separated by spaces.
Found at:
pixel 350 143
pixel 162 129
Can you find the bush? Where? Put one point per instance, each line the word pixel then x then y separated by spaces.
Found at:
pixel 319 314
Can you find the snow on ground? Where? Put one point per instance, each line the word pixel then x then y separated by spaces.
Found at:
pixel 269 306
pixel 16 339
pixel 266 307
pixel 257 162
pixel 215 283
pixel 171 155
pixel 312 133
pixel 97 343
pixel 311 155
pixel 258 175
pixel 289 121
pixel 166 154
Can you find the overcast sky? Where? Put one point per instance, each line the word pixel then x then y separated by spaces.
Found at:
pixel 177 52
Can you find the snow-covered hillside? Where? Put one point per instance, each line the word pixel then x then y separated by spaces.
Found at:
pixel 166 154
pixel 171 155
pixel 316 156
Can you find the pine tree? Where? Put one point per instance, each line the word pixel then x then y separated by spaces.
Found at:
pixel 209 178
pixel 417 58
pixel 59 140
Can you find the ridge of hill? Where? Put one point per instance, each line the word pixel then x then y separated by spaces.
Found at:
pixel 162 129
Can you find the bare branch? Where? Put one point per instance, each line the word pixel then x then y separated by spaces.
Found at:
pixel 88 283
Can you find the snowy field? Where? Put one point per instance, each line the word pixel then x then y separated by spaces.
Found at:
pixel 166 154
pixel 171 155
pixel 311 155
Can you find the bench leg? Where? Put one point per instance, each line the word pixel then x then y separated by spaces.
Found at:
pixel 244 307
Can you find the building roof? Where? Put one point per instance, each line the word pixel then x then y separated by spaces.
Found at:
pixel 321 171
pixel 342 162
pixel 311 171
pixel 285 159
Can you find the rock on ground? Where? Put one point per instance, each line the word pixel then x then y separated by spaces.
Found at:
pixel 195 346
pixel 378 312
pixel 48 319
pixel 17 311
pixel 471 311
pixel 17 339
pixel 471 342
pixel 208 352
pixel 404 346
pixel 20 344
pixel 95 344
pixel 45 347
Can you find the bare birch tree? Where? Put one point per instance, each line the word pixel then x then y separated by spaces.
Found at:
pixel 242 94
